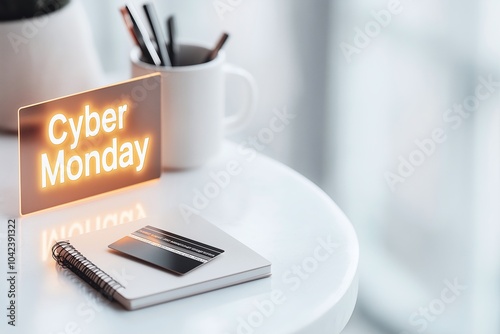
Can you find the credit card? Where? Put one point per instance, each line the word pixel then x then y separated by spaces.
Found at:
pixel 166 250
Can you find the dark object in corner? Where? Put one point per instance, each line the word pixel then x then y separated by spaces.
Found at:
pixel 11 10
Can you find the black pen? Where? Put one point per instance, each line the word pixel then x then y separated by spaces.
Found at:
pixel 173 48
pixel 213 53
pixel 148 49
pixel 158 35
pixel 129 24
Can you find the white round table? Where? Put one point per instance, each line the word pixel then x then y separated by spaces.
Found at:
pixel 269 207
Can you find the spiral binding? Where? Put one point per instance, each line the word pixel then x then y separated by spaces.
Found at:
pixel 68 257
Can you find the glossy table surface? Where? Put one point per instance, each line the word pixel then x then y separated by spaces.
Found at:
pixel 269 207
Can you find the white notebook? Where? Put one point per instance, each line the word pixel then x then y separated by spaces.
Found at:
pixel 200 257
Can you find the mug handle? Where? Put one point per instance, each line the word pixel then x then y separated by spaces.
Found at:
pixel 236 122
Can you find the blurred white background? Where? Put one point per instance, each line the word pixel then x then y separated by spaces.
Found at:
pixel 397 119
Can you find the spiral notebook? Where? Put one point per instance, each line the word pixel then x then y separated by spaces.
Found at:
pixel 156 260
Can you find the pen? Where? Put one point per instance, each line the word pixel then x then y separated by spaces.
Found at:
pixel 213 53
pixel 129 24
pixel 148 50
pixel 173 48
pixel 157 33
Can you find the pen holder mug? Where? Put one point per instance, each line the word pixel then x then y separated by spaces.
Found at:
pixel 193 105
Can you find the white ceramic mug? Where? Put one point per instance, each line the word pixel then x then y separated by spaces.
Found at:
pixel 193 105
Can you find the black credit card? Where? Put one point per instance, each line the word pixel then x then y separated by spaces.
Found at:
pixel 166 250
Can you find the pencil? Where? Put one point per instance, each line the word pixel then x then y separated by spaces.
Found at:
pixel 129 24
pixel 213 53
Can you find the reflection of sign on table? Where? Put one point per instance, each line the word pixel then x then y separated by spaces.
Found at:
pixel 89 143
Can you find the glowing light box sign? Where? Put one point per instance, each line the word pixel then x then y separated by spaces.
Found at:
pixel 89 143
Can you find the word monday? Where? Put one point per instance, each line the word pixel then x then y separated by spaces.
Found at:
pixel 71 166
